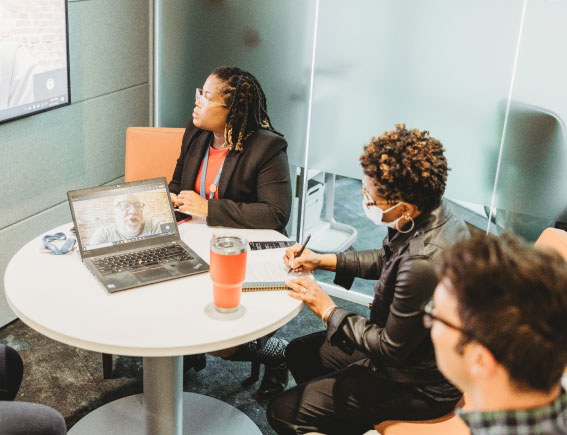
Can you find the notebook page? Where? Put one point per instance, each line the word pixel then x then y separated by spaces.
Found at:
pixel 268 266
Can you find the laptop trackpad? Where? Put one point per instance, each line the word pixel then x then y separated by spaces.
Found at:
pixel 152 274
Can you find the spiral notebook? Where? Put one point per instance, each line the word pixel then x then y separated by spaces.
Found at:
pixel 266 271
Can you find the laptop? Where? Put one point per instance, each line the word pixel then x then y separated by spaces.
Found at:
pixel 128 237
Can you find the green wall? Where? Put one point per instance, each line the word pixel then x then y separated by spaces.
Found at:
pixel 80 145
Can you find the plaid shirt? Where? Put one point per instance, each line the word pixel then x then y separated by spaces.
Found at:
pixel 548 420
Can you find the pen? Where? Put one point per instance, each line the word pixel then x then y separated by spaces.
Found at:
pixel 301 249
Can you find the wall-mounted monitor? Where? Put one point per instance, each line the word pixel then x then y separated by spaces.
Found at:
pixel 34 57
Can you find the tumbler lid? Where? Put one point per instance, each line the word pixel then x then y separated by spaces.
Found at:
pixel 229 245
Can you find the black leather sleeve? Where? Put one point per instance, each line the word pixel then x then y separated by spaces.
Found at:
pixel 404 330
pixel 358 264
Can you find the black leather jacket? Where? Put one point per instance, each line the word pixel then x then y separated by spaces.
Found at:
pixel 394 338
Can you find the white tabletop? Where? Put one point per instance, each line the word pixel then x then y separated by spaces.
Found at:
pixel 57 296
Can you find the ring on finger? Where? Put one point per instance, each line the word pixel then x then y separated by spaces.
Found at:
pixel 303 290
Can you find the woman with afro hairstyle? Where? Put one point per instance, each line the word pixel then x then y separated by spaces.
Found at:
pixel 233 170
pixel 360 371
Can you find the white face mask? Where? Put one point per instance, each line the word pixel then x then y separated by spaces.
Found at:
pixel 375 213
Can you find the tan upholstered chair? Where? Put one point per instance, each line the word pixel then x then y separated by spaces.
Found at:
pixel 449 424
pixel 151 152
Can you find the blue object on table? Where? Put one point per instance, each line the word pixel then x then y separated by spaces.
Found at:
pixel 67 246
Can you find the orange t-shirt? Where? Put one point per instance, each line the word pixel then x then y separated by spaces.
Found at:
pixel 216 157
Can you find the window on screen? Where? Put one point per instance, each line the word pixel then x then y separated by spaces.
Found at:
pixel 34 61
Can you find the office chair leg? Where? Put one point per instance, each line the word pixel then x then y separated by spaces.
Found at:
pixel 254 374
pixel 107 365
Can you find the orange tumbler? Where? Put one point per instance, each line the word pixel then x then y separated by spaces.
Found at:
pixel 227 269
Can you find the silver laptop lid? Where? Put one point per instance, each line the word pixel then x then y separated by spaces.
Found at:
pixel 120 217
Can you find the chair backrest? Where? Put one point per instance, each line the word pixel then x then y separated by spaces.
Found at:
pixel 151 152
pixel 449 424
pixel 553 238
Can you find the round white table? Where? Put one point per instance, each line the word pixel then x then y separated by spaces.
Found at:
pixel 58 297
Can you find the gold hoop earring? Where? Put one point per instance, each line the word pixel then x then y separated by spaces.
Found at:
pixel 407 217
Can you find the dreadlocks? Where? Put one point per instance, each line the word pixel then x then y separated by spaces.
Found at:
pixel 247 108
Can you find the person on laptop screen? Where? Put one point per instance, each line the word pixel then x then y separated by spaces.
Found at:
pixel 128 223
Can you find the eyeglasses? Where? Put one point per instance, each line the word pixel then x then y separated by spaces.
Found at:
pixel 429 318
pixel 125 205
pixel 200 96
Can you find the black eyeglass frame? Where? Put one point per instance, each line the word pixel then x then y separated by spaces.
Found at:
pixel 429 318
pixel 138 205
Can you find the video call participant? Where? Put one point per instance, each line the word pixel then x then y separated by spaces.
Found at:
pixel 233 170
pixel 129 222
pixel 361 371
pixel 17 65
pixel 230 141
pixel 498 322
pixel 23 418
pixel 17 68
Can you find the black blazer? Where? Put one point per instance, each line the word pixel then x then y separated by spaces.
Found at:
pixel 254 188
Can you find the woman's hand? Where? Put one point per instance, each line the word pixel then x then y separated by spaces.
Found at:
pixel 192 203
pixel 308 291
pixel 308 260
pixel 173 197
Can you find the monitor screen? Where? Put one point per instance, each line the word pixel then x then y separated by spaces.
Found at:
pixel 122 215
pixel 34 57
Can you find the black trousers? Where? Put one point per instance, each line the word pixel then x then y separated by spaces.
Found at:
pixel 335 396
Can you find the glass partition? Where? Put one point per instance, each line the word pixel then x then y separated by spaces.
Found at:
pixel 446 66
pixel 532 177
pixel 430 65
pixel 273 40
pixel 443 66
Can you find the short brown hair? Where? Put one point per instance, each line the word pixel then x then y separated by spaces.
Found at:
pixel 407 165
pixel 513 298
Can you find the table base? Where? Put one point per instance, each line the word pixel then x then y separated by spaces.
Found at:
pixel 201 415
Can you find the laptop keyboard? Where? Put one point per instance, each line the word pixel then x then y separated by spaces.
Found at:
pixel 146 257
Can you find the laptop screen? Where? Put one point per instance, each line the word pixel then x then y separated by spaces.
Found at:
pixel 122 214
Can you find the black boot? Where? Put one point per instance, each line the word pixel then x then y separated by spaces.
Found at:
pixel 274 381
pixel 272 356
pixel 197 362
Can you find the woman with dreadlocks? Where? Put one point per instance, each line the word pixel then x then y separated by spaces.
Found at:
pixel 233 166
pixel 233 170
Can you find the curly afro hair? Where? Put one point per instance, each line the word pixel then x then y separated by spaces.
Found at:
pixel 407 165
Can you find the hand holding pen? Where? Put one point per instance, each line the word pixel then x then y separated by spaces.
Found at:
pixel 296 254
pixel 298 258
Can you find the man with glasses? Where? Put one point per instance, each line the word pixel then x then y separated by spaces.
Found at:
pixel 498 322
pixel 129 222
